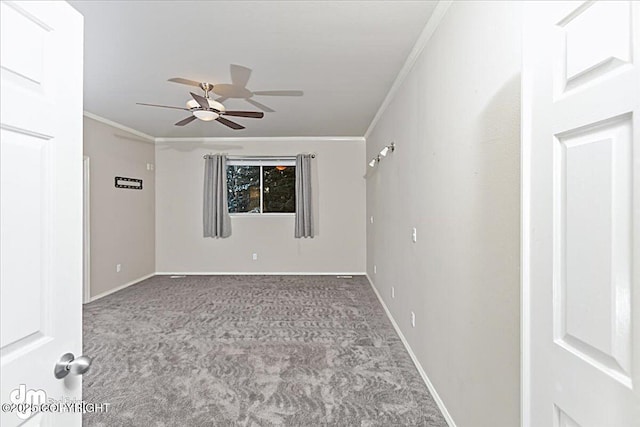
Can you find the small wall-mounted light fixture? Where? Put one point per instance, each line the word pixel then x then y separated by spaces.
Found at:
pixel 383 153
pixel 391 147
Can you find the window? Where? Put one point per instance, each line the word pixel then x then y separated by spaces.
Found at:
pixel 261 186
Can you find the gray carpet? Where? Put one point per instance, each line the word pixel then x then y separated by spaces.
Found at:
pixel 250 351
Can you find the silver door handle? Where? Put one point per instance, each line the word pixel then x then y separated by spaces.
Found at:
pixel 68 364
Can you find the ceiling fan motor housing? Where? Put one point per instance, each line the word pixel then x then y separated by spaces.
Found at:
pixel 206 115
pixel 207 109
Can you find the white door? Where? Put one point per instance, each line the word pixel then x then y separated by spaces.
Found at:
pixel 40 205
pixel 581 214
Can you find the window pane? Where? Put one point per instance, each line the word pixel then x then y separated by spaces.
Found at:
pixel 243 187
pixel 279 188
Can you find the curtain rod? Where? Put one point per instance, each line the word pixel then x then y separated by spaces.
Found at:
pixel 313 156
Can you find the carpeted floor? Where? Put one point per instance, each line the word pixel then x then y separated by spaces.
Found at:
pixel 250 351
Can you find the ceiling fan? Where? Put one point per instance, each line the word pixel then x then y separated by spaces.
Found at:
pixel 206 109
pixel 237 89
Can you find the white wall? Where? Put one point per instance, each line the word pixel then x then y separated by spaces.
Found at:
pixel 122 220
pixel 339 200
pixel 455 176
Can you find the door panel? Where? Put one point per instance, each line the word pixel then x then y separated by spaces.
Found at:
pixel 24 236
pixel 593 258
pixel 592 46
pixel 581 103
pixel 41 202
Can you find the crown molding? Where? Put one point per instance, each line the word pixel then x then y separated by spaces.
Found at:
pixel 264 139
pixel 421 43
pixel 119 126
pixel 214 139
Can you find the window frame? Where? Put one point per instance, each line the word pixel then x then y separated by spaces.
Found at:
pixel 261 162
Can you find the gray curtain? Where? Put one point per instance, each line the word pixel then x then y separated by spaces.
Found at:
pixel 304 214
pixel 216 219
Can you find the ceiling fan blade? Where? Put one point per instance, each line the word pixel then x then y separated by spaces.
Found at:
pixel 239 75
pixel 260 106
pixel 279 92
pixel 163 106
pixel 184 81
pixel 186 121
pixel 232 125
pixel 251 114
pixel 201 100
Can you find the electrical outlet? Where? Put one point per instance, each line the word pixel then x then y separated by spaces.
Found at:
pixel 393 292
pixel 255 257
pixel 118 268
pixel 375 270
pixel 414 235
pixel 413 319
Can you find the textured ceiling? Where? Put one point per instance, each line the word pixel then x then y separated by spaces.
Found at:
pixel 342 55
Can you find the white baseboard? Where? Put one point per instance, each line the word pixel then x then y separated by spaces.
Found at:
pixel 423 374
pixel 267 273
pixel 126 285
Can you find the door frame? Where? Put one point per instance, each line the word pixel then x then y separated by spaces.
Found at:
pixel 86 229
pixel 525 224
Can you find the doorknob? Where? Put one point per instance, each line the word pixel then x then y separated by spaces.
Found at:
pixel 68 364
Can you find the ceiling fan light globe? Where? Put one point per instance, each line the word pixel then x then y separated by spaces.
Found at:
pixel 192 104
pixel 206 116
pixel 215 105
